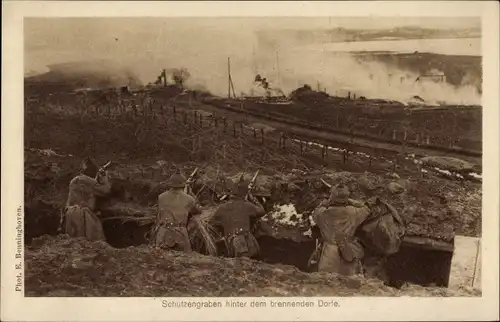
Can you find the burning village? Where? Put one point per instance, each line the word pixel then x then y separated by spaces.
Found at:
pixel 299 163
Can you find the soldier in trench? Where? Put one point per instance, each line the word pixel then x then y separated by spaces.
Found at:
pixel 338 218
pixel 80 217
pixel 381 235
pixel 175 207
pixel 235 217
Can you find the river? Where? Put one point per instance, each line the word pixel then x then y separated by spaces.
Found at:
pixel 457 46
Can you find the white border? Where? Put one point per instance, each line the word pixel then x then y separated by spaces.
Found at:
pixel 15 307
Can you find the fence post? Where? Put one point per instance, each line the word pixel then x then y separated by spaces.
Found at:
pixel 394 135
pixel 241 129
pixel 234 129
pixel 262 136
pixel 254 133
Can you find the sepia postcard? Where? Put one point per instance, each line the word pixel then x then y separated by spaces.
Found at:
pixel 236 161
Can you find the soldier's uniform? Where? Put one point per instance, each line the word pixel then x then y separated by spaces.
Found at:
pixel 338 220
pixel 80 217
pixel 235 219
pixel 174 208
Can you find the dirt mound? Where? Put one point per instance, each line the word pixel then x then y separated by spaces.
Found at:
pixel 306 95
pixel 430 207
pixel 60 266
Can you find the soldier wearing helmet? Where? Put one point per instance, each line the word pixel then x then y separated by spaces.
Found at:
pixel 338 219
pixel 235 218
pixel 80 216
pixel 174 209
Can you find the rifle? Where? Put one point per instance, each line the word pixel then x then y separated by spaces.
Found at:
pixel 315 256
pixel 251 185
pixel 190 180
pixel 326 183
pixel 62 218
pixel 102 170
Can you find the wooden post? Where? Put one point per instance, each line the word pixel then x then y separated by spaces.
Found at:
pixel 301 148
pixel 394 135
pixel 403 145
pixel 174 109
pixel 241 129
pixel 234 129
pixel 428 140
pixel 254 133
pixel 262 136
pixel 326 150
pixel 344 156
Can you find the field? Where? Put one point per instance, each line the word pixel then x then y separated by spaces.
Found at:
pixel 451 128
pixel 149 144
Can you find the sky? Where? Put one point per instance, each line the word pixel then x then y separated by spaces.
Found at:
pixel 202 45
pixel 52 40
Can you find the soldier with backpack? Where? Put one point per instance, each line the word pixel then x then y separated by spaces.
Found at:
pixel 381 235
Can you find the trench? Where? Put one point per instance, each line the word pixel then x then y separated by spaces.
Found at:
pixel 411 264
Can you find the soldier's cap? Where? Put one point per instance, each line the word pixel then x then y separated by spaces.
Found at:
pixel 90 167
pixel 339 192
pixel 240 188
pixel 177 180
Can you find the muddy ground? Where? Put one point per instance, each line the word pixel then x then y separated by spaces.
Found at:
pixel 146 150
pixel 60 266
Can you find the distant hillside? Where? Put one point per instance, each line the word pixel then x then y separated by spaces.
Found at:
pixel 92 74
pixel 271 38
